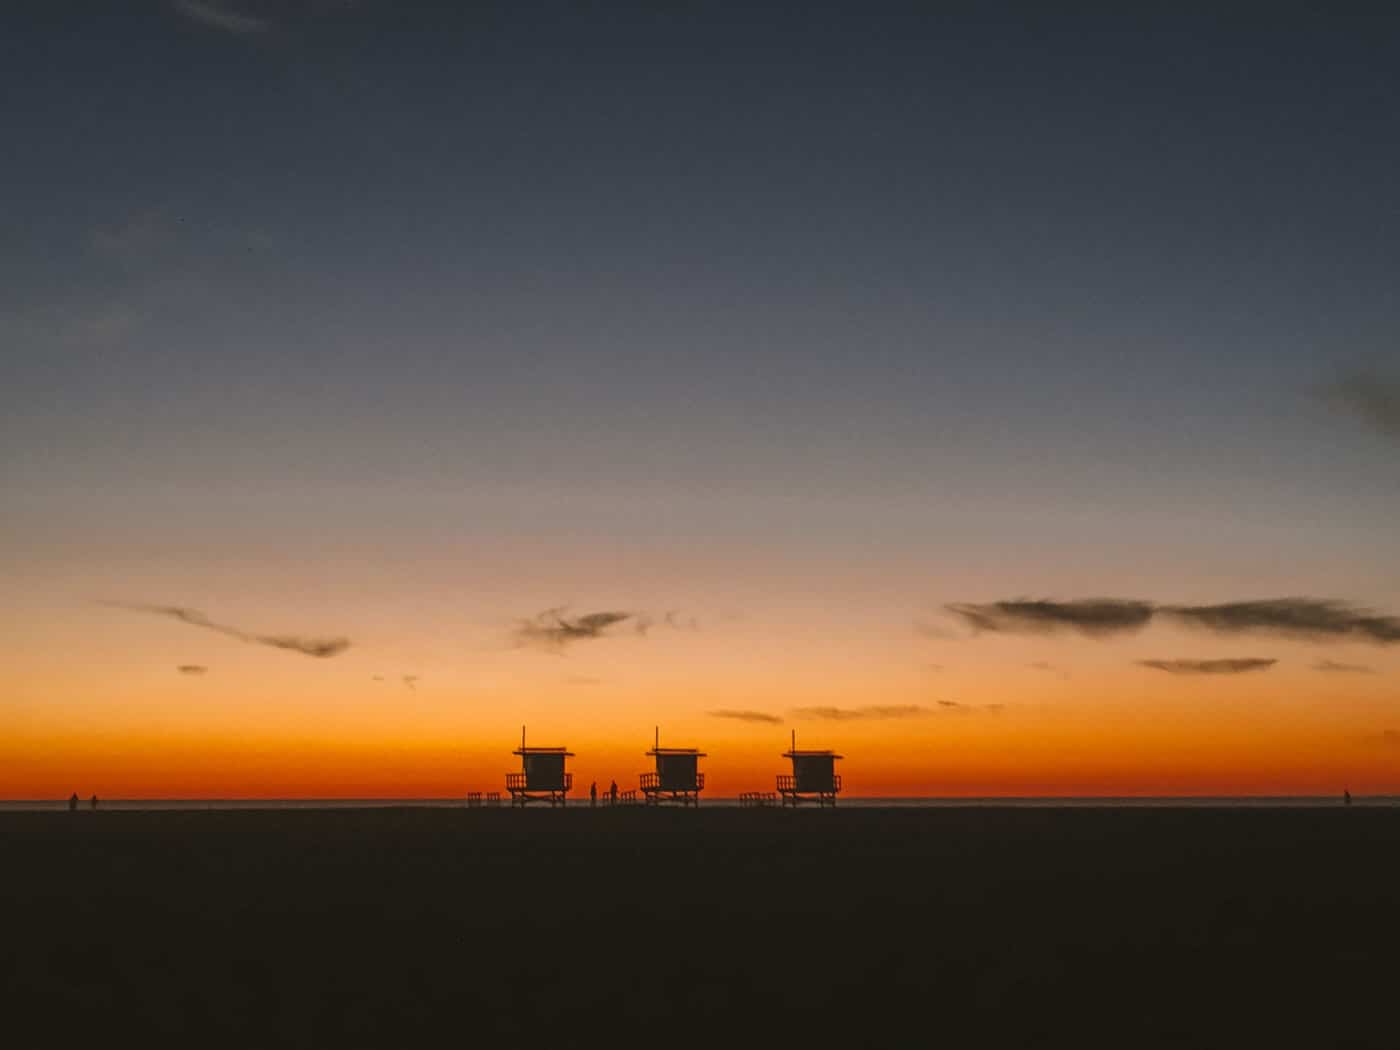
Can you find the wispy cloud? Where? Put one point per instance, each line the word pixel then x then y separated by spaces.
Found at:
pixel 553 630
pixel 1095 617
pixel 1308 619
pixel 410 681
pixel 1311 619
pixel 222 15
pixel 1370 397
pixel 936 632
pixel 1240 665
pixel 192 669
pixel 852 714
pixel 1333 667
pixel 672 619
pixel 746 716
pixel 318 647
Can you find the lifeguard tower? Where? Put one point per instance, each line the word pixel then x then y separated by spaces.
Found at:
pixel 813 777
pixel 677 778
pixel 542 776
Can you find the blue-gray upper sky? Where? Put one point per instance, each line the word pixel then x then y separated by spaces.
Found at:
pixel 1011 260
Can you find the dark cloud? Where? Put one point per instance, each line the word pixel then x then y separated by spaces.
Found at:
pixel 1240 665
pixel 1333 667
pixel 192 669
pixel 1096 617
pixel 1370 397
pixel 852 714
pixel 551 629
pixel 318 647
pixel 950 703
pixel 746 716
pixel 1311 619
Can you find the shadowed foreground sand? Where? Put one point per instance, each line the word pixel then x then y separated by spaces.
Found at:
pixel 873 927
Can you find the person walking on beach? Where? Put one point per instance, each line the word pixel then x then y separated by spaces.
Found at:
pixel 1346 797
pixel 593 794
pixel 73 803
pixel 612 794
pixel 93 802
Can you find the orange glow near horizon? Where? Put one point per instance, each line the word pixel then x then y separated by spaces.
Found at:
pixel 93 702
pixel 1201 738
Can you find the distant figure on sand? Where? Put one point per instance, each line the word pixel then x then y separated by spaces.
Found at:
pixel 593 793
pixel 73 803
pixel 93 802
pixel 612 794
pixel 1346 797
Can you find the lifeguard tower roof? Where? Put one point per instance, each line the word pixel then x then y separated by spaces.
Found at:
pixel 792 752
pixel 523 750
pixel 677 751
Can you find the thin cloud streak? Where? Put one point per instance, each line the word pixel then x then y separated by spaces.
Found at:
pixel 746 716
pixel 320 648
pixel 1095 617
pixel 1310 619
pixel 853 714
pixel 1333 667
pixel 1307 619
pixel 192 669
pixel 1240 665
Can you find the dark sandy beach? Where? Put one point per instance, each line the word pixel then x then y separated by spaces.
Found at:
pixel 411 927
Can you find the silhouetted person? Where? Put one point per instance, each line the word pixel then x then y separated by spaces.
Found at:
pixel 93 802
pixel 612 794
pixel 73 803
pixel 1346 797
pixel 593 793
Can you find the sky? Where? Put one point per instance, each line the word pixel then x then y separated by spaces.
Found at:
pixel 376 378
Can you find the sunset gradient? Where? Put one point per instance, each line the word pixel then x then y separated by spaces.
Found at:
pixel 404 331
